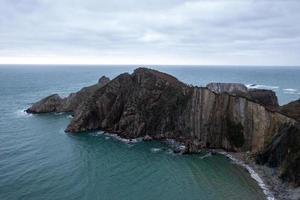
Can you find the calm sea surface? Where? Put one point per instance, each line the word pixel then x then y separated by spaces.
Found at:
pixel 39 161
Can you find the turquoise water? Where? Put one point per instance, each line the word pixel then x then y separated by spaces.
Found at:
pixel 39 161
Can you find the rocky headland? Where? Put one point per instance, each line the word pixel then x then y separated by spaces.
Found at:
pixel 155 105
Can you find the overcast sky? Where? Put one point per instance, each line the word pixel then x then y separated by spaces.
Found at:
pixel 221 32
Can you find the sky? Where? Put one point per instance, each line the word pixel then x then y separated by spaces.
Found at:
pixel 191 32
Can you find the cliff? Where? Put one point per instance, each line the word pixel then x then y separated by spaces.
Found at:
pixel 152 104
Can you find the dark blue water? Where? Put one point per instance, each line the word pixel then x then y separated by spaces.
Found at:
pixel 39 161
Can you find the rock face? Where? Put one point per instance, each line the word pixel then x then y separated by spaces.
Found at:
pixel 265 97
pixel 292 109
pixel 284 153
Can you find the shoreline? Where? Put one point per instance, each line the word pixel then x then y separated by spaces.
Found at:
pixel 266 177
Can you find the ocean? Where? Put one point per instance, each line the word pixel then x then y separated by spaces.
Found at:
pixel 39 161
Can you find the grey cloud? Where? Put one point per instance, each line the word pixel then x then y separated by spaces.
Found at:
pixel 195 31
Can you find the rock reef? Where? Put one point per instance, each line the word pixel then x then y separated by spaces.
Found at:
pixel 149 103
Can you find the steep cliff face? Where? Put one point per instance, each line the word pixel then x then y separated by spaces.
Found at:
pixel 230 122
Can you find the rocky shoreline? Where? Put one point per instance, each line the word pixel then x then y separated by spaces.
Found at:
pixel 275 187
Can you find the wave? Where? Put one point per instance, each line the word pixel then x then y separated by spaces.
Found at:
pixel 22 113
pixel 70 117
pixel 290 91
pixel 58 113
pixel 176 146
pixel 127 141
pixel 206 155
pixel 258 86
pixel 155 150
pixel 253 175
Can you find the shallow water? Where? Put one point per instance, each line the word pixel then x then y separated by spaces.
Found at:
pixel 39 161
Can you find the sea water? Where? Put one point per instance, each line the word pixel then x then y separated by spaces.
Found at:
pixel 39 161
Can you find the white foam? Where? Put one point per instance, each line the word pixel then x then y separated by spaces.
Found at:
pixel 70 117
pixel 206 155
pixel 58 113
pixel 22 113
pixel 127 141
pixel 98 133
pixel 257 86
pixel 175 145
pixel 253 175
pixel 155 150
pixel 290 91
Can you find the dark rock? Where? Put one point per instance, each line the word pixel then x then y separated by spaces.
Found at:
pixel 52 103
pixel 265 97
pixel 292 109
pixel 103 80
pixel 284 153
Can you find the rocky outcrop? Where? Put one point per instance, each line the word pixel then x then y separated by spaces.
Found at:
pixel 152 104
pixel 103 80
pixel 54 103
pixel 232 88
pixel 51 103
pixel 292 109
pixel 283 152
pixel 267 98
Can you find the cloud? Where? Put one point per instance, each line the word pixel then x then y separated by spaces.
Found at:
pixel 167 32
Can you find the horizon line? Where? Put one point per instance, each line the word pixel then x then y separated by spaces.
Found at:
pixel 145 65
